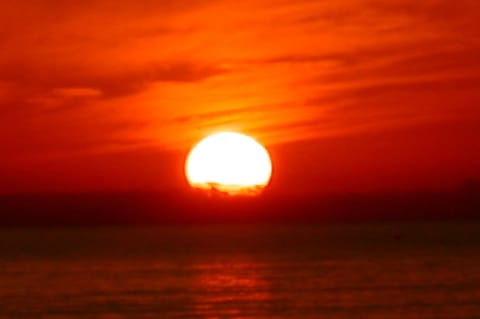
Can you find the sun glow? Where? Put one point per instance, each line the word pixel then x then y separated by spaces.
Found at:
pixel 228 162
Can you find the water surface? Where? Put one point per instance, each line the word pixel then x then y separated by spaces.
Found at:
pixel 325 271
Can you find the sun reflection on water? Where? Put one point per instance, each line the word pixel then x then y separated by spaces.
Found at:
pixel 232 290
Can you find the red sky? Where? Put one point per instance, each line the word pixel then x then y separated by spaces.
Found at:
pixel 351 95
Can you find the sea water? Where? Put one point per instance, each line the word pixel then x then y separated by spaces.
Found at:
pixel 404 270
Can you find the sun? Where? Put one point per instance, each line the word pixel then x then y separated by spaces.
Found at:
pixel 230 163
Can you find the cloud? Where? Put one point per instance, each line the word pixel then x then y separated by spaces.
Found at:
pixel 74 92
pixel 287 70
pixel 45 89
pixel 111 49
pixel 111 83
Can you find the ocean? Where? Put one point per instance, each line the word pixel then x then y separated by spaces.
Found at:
pixel 375 270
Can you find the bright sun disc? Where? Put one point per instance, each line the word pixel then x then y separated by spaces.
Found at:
pixel 229 162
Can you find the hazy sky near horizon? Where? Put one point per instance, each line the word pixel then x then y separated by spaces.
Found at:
pixel 348 95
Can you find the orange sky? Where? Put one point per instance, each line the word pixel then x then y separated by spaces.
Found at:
pixel 348 95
